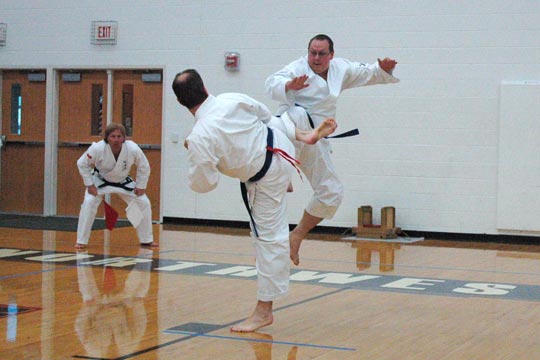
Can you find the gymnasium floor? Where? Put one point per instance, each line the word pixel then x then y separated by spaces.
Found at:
pixel 349 299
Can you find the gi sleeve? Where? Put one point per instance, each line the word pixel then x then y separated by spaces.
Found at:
pixel 86 164
pixel 261 111
pixel 203 173
pixel 143 168
pixel 360 74
pixel 275 85
pixel 250 105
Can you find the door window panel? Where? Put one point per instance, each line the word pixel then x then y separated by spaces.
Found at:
pixel 127 108
pixel 16 109
pixel 97 109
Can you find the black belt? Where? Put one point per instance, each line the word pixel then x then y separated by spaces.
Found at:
pixel 258 176
pixel 268 159
pixel 122 185
pixel 352 132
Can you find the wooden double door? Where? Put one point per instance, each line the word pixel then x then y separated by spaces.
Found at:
pixel 22 154
pixel 84 108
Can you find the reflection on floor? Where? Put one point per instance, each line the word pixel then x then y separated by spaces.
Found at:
pixel 114 314
pixel 385 250
pixel 348 299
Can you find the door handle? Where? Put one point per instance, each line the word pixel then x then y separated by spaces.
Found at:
pixel 24 142
pixel 150 146
pixel 73 144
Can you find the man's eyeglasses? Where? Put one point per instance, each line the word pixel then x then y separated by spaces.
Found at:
pixel 320 53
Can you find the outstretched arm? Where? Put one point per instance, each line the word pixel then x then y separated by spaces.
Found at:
pixel 361 74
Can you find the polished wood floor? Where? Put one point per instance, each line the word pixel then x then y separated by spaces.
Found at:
pixel 348 299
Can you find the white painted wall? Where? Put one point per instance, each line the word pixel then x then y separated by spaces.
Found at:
pixel 428 145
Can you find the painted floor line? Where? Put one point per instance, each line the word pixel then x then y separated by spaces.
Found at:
pixel 375 264
pixel 404 266
pixel 6 277
pixel 260 340
pixel 191 335
pixel 419 267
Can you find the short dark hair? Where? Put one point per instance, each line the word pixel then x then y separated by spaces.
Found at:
pixel 189 90
pixel 323 37
pixel 112 127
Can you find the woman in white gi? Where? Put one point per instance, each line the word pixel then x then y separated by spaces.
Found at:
pixel 105 168
pixel 230 137
pixel 315 82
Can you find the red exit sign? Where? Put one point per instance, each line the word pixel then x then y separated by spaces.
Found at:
pixel 104 32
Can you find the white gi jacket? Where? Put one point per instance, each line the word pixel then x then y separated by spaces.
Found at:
pixel 229 136
pixel 320 97
pixel 320 100
pixel 100 156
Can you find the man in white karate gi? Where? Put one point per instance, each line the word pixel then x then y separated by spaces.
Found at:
pixel 105 168
pixel 237 136
pixel 315 82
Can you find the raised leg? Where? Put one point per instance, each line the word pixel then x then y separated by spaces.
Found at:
pixel 327 127
pixel 306 224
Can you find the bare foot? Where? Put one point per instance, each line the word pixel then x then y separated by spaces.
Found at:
pixel 253 323
pixel 327 127
pixel 262 316
pixel 150 245
pixel 79 246
pixel 295 241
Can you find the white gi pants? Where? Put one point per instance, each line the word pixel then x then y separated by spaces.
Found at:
pixel 91 203
pixel 316 163
pixel 268 208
